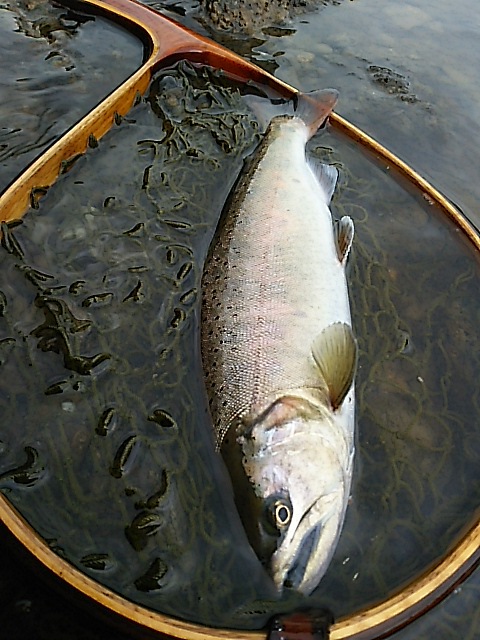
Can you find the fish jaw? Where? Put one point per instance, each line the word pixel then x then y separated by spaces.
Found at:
pixel 303 558
pixel 302 466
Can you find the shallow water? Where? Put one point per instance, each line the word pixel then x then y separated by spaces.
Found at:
pixel 53 72
pixel 146 278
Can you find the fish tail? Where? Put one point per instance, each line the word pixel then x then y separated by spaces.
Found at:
pixel 312 108
pixel 315 107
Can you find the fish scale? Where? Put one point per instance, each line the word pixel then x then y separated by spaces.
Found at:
pixel 262 309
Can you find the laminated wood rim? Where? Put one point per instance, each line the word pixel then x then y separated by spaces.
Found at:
pixel 167 42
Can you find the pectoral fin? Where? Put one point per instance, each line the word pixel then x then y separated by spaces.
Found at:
pixel 344 231
pixel 335 354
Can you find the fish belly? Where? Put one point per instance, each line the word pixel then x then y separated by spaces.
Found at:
pixel 271 283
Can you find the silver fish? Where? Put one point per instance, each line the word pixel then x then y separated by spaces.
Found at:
pixel 278 350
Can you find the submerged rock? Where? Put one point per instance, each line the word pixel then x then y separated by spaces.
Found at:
pixel 392 82
pixel 248 16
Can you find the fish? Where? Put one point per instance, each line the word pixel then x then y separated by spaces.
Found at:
pixel 278 350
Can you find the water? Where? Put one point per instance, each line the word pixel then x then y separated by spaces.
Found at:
pixel 433 46
pixel 428 424
pixel 50 75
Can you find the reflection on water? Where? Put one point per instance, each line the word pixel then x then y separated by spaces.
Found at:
pixel 98 348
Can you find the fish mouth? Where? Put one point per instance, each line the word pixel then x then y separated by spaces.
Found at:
pixel 296 573
pixel 302 558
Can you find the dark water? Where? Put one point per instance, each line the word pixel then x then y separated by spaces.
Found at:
pixel 52 73
pixel 114 431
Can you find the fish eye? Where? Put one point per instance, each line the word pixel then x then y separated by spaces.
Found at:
pixel 283 514
pixel 279 513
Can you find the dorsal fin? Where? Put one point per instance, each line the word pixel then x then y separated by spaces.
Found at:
pixel 344 231
pixel 335 354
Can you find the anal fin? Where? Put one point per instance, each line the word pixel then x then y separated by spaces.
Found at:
pixel 335 353
pixel 326 175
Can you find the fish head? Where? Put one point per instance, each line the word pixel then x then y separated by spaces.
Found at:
pixel 292 486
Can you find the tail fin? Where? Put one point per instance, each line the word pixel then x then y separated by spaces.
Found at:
pixel 313 108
